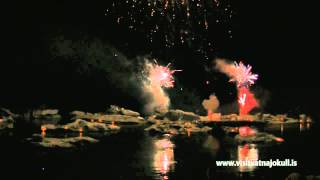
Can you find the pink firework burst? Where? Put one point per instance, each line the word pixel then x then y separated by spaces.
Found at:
pixel 243 75
pixel 161 75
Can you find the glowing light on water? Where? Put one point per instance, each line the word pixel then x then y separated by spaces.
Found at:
pixel 247 152
pixel 279 139
pixel 308 125
pixel 188 132
pixel 246 131
pixel 164 156
pixel 43 131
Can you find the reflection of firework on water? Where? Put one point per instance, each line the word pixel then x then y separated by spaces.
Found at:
pixel 247 152
pixel 164 156
pixel 172 22
pixel 243 75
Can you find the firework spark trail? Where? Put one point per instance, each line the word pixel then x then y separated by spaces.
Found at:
pixel 157 77
pixel 173 22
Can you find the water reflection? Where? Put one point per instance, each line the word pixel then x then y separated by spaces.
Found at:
pixel 304 126
pixel 163 159
pixel 247 152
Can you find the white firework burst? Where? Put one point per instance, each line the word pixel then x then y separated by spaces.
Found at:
pixel 243 75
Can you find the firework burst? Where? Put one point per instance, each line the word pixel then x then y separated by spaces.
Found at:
pixel 160 75
pixel 243 75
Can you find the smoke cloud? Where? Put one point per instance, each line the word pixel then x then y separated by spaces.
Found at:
pixel 211 104
pixel 243 77
pixel 129 76
pixel 156 98
pixel 226 67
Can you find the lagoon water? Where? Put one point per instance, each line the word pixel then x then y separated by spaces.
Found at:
pixel 134 154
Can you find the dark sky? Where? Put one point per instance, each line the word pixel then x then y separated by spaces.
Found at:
pixel 279 38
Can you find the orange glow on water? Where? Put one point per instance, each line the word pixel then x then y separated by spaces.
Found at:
pixel 279 139
pixel 247 152
pixel 189 132
pixel 246 131
pixel 164 156
pixel 43 134
pixel 43 129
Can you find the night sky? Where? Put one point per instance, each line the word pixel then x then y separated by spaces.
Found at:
pixel 277 38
